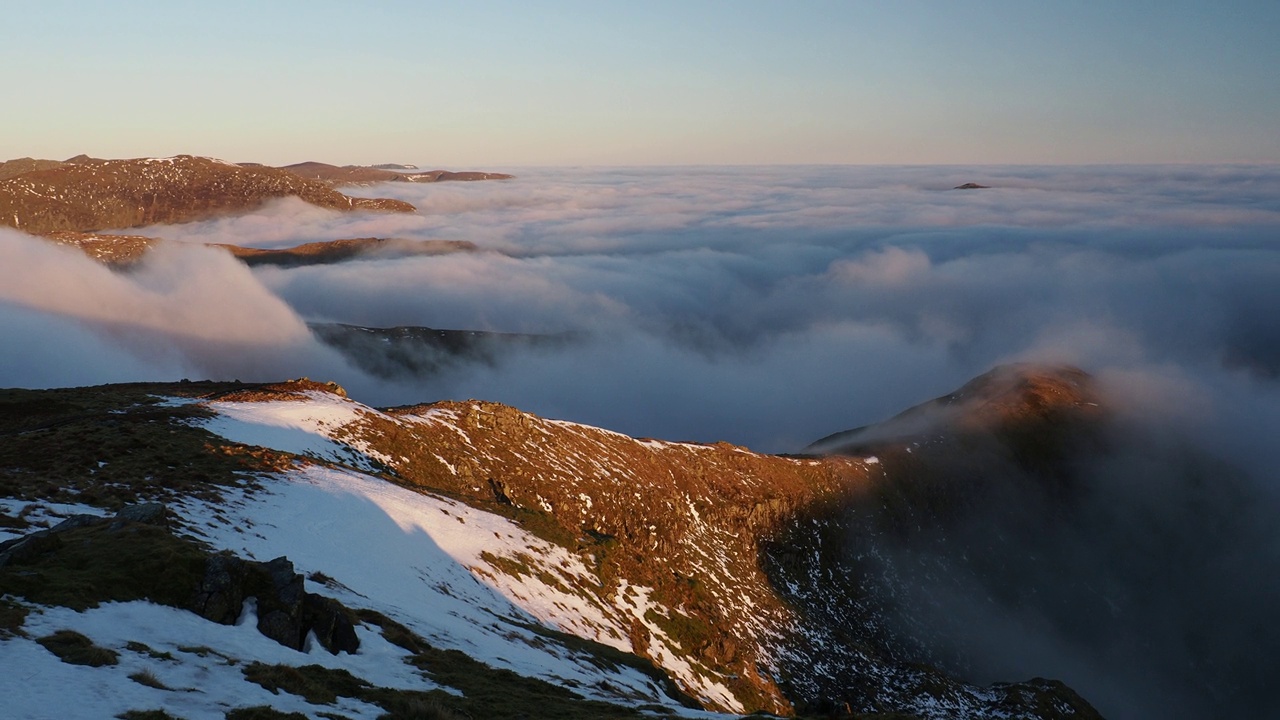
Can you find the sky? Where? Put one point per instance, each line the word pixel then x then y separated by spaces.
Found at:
pixel 509 84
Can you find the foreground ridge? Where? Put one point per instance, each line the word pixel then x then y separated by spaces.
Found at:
pixel 707 560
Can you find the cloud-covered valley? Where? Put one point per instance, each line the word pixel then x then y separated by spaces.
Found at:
pixel 764 306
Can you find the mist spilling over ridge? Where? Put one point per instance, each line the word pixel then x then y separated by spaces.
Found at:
pixel 771 307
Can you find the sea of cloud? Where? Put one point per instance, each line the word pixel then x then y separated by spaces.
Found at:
pixel 764 306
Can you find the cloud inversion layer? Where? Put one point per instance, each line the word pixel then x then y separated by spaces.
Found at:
pixel 772 306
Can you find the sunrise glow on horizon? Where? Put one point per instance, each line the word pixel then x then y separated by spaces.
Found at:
pixel 503 84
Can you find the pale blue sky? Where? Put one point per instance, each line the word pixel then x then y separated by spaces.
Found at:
pixel 516 83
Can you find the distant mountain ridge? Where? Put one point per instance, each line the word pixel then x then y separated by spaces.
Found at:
pixel 367 175
pixel 91 195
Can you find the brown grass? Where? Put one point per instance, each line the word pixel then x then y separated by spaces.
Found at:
pixel 148 678
pixel 93 565
pixel 115 445
pixel 12 616
pixel 75 649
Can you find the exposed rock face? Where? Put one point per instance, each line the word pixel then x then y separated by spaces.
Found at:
pixel 365 175
pixel 23 549
pixel 286 612
pixel 92 195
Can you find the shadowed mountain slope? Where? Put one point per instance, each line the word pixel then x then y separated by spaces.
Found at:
pixel 1022 521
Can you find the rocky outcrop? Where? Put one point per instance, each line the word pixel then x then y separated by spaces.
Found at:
pixel 94 195
pixel 286 612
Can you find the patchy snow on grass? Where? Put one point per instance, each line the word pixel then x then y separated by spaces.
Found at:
pixel 303 427
pixel 40 514
pixel 199 662
pixel 410 555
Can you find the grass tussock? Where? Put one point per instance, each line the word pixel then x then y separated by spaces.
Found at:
pixel 419 708
pixel 392 631
pixel 145 649
pixel 316 684
pixel 148 678
pixel 205 651
pixel 12 616
pixel 75 649
pixel 690 632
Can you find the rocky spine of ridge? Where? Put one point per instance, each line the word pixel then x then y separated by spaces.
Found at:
pixel 91 195
pixel 739 552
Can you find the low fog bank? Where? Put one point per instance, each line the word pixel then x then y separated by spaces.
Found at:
pixel 190 312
